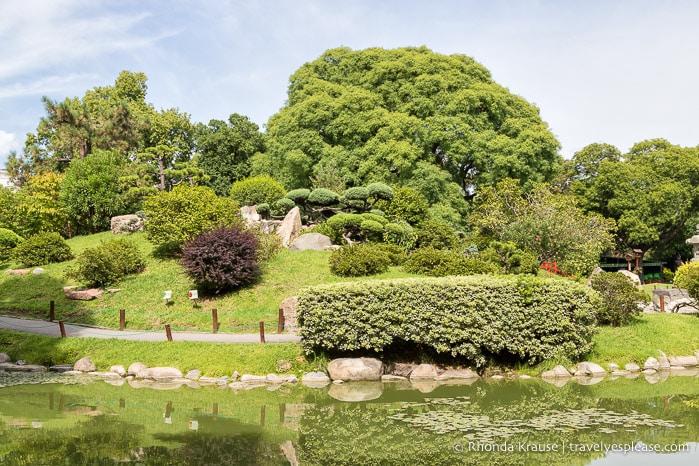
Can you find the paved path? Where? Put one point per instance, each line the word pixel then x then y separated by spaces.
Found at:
pixel 52 329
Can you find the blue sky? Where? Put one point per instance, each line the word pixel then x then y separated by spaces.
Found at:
pixel 614 71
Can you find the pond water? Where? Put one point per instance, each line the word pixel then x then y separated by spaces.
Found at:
pixel 66 420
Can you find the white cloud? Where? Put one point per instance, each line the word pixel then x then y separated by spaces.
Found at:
pixel 7 143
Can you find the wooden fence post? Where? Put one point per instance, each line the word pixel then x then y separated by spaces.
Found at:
pixel 280 324
pixel 168 332
pixel 214 318
pixel 262 332
pixel 662 303
pixel 63 328
pixel 122 319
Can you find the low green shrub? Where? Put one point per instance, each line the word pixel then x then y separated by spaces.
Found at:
pixel 322 197
pixel 299 196
pixel 437 234
pixel 256 190
pixel 396 253
pixel 282 206
pixel 477 317
pixel 380 191
pixel 358 260
pixel 401 234
pixel 687 277
pixel 40 249
pixel 440 263
pixel 620 298
pixel 8 241
pixel 407 204
pixel 107 263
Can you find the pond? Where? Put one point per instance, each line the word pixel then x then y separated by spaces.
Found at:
pixel 66 420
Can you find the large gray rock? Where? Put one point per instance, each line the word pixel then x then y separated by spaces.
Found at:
pixel 315 379
pixel 125 224
pixel 631 367
pixel 157 373
pixel 311 241
pixel 135 368
pixel 119 370
pixel 424 371
pixel 290 228
pixel 684 361
pixel 81 294
pixel 595 271
pixel 356 391
pixel 84 365
pixel 401 369
pixel 9 367
pixel 4 358
pixel 249 213
pixel 632 277
pixel 651 363
pixel 457 374
pixel 355 369
pixel 590 369
pixel 558 372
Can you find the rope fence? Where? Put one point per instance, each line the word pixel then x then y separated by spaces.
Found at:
pixel 260 327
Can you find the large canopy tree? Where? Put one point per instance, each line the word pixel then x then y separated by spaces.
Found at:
pixel 380 115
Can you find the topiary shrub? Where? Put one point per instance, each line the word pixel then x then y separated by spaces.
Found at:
pixel 477 317
pixel 299 196
pixel 407 205
pixel 358 260
pixel 401 234
pixel 322 197
pixel 256 190
pixel 40 249
pixel 371 230
pixel 222 259
pixel 437 234
pixel 282 206
pixel 8 241
pixel 380 191
pixel 343 224
pixel 620 298
pixel 263 209
pixel 440 263
pixel 107 263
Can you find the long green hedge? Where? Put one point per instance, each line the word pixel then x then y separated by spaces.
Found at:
pixel 531 318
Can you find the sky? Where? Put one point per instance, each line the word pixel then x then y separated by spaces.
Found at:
pixel 611 71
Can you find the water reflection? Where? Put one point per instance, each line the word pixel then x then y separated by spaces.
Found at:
pixel 528 422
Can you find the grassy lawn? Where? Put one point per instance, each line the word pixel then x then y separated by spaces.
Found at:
pixel 142 295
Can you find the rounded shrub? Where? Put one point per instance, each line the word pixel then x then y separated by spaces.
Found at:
pixel 299 196
pixel 263 209
pixel 256 190
pixel 440 263
pixel 282 206
pixel 380 191
pixel 371 229
pixel 401 234
pixel 8 241
pixel 342 224
pixel 107 263
pixel 40 249
pixel 687 277
pixel 396 253
pixel 376 218
pixel 357 193
pixel 620 298
pixel 437 234
pixel 323 197
pixel 358 260
pixel 222 259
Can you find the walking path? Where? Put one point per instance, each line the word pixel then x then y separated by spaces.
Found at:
pixel 52 329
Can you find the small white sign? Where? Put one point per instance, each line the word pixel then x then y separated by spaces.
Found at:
pixel 193 294
pixel 168 294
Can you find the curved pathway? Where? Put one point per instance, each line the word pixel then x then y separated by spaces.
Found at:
pixel 52 329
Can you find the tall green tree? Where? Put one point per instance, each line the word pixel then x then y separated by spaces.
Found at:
pixel 225 149
pixel 378 115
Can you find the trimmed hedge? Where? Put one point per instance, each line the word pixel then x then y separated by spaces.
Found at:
pixel 40 249
pixel 530 318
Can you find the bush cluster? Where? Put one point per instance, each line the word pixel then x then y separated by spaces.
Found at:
pixel 257 190
pixel 687 277
pixel 437 234
pixel 107 263
pixel 8 241
pixel 440 263
pixel 222 259
pixel 359 260
pixel 40 249
pixel 477 317
pixel 620 298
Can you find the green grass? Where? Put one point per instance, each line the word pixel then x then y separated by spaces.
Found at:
pixel 141 295
pixel 213 359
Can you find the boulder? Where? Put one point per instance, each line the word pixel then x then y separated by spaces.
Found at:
pixel 590 369
pixel 355 369
pixel 156 373
pixel 424 371
pixel 9 367
pixel 632 277
pixel 119 370
pixel 194 374
pixel 356 391
pixel 249 213
pixel 17 272
pixel 81 294
pixel 310 241
pixel 125 224
pixel 135 368
pixel 84 365
pixel 631 367
pixel 38 271
pixel 247 378
pixel 663 362
pixel 401 369
pixel 684 361
pixel 558 372
pixel 288 308
pixel 315 379
pixel 457 374
pixel 595 271
pixel 290 228
pixel 393 378
pixel 269 226
pixel 651 363
pixel 4 358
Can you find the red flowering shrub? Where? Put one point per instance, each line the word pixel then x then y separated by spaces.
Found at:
pixel 222 259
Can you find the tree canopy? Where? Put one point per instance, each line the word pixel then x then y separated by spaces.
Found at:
pixel 380 115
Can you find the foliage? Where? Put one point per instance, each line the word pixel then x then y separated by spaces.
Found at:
pixel 510 258
pixel 687 277
pixel 401 234
pixel 222 259
pixel 268 244
pixel 8 241
pixel 256 190
pixel 474 317
pixel 440 263
pixel 407 205
pixel 282 206
pixel 226 148
pixel 380 191
pixel 37 206
pixel 437 234
pixel 620 298
pixel 376 115
pixel 323 197
pixel 359 260
pixel 90 192
pixel 299 196
pixel 177 216
pixel 543 222
pixel 108 263
pixel 40 249
pixel 396 253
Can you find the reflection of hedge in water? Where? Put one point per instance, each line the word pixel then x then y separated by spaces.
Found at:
pixel 426 432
